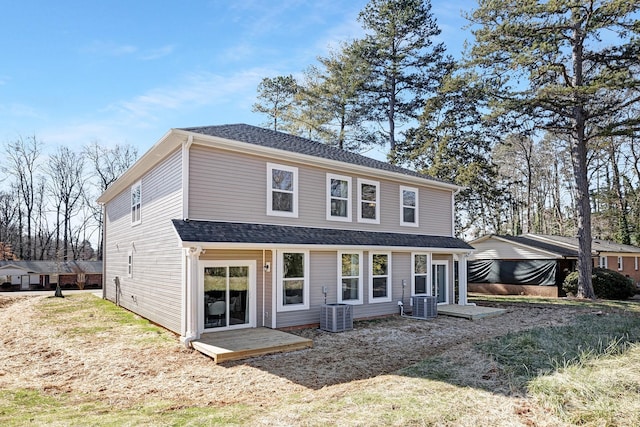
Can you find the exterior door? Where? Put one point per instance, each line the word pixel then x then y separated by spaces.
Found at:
pixel 439 281
pixel 228 297
pixel 24 282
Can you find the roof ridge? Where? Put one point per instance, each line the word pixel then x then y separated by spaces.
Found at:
pixel 284 141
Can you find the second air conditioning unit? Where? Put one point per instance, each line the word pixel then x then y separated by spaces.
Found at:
pixel 425 307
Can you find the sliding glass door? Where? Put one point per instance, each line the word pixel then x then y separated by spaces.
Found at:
pixel 227 294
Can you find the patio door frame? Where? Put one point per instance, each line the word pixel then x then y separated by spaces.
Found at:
pixel 252 293
pixel 434 284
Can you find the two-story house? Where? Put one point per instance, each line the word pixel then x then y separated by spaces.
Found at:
pixel 235 226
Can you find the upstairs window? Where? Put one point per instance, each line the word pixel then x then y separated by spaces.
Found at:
pixel 409 206
pixel 282 190
pixel 338 198
pixel 368 201
pixel 136 202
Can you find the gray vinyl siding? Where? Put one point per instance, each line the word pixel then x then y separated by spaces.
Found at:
pixel 324 272
pixel 154 290
pixel 242 255
pixel 225 186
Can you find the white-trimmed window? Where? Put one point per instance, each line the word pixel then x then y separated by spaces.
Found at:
pixel 130 264
pixel 136 202
pixel 338 197
pixel 420 274
pixel 603 262
pixel 282 190
pixel 409 206
pixel 379 277
pixel 293 280
pixel 620 264
pixel 636 264
pixel 350 277
pixel 368 201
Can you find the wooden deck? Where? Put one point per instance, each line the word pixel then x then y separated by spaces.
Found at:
pixel 471 312
pixel 243 343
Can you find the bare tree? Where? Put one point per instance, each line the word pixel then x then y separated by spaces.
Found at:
pixel 66 186
pixel 22 161
pixel 106 164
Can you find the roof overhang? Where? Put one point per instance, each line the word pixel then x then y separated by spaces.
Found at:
pixel 538 248
pixel 319 247
pixel 225 235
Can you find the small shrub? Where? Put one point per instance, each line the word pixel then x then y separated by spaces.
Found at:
pixel 607 284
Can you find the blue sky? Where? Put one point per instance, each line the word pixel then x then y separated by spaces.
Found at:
pixel 116 71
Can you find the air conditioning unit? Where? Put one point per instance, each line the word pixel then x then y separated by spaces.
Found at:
pixel 425 307
pixel 336 317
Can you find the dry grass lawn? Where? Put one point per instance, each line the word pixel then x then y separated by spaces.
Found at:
pixel 75 349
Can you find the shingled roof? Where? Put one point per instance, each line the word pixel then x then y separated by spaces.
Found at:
pixel 295 144
pixel 228 232
pixel 550 247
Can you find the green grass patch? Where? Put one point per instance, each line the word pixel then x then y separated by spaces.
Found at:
pixel 34 408
pixel 602 390
pixel 526 355
pixel 585 304
pixel 88 316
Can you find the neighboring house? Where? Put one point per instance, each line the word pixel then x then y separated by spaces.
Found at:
pixel 535 264
pixel 43 275
pixel 235 226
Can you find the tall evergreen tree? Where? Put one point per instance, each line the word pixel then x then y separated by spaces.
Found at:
pixel 406 63
pixel 550 63
pixel 331 99
pixel 453 142
pixel 275 97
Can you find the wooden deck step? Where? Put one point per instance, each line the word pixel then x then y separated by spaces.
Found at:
pixel 238 344
pixel 471 312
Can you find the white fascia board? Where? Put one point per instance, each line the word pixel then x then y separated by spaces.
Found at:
pixel 481 239
pixel 258 150
pixel 158 152
pixel 622 254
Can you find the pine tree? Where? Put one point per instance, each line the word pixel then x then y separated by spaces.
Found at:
pixel 406 63
pixel 549 64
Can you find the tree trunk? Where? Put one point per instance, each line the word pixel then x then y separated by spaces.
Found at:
pixel 623 221
pixel 585 263
pixel 579 160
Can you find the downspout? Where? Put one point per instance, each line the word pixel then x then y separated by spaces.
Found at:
pixel 191 331
pixel 186 145
pixel 187 330
pixel 264 281
pixel 104 252
pixel 185 284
